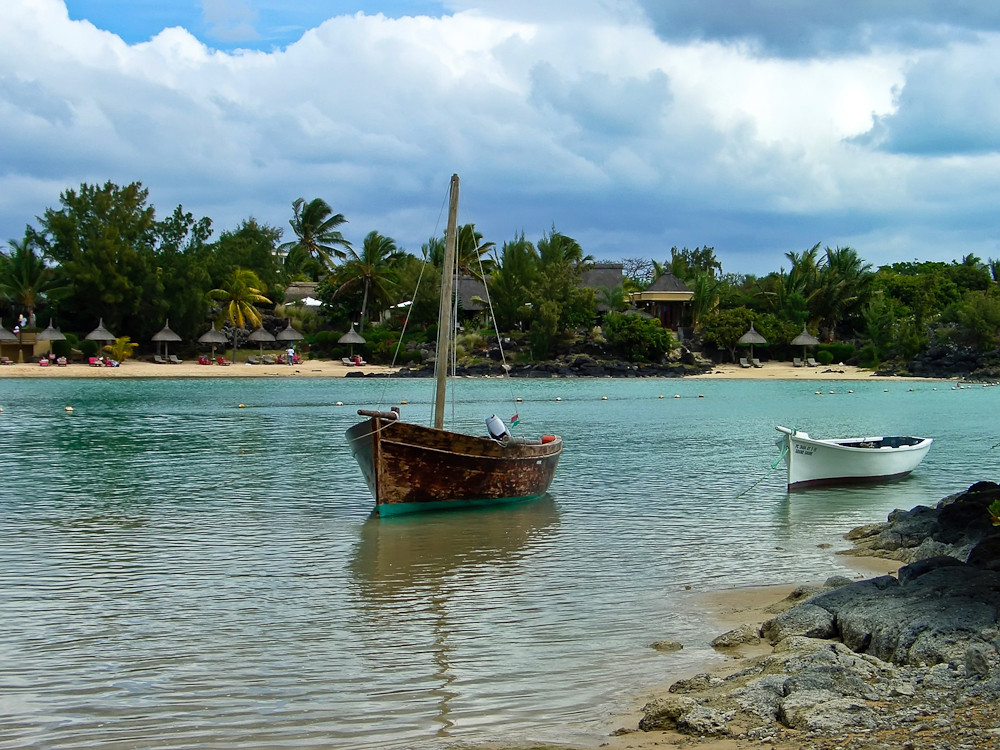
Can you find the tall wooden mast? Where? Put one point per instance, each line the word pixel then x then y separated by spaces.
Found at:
pixel 445 323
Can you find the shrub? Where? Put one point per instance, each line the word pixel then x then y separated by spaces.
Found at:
pixel 824 357
pixel 89 348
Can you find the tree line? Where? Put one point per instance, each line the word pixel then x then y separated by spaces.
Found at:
pixel 103 253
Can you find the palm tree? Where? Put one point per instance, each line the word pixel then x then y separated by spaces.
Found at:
pixel 241 291
pixel 372 269
pixel 315 226
pixel 844 285
pixel 26 279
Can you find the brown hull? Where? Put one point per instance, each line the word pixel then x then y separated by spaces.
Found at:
pixel 409 467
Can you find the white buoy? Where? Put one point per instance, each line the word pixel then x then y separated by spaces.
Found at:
pixel 558 398
pixel 403 402
pixel 661 395
pixel 677 395
pixel 243 406
pixel 850 391
pixel 519 399
pixel 340 403
pixel 604 398
pixel 69 408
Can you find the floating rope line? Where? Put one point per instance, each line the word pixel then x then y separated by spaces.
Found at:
pixel 784 450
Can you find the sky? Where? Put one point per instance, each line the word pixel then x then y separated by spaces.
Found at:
pixel 759 127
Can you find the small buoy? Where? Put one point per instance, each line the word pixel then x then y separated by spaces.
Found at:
pixel 850 391
pixel 831 391
pixel 701 395
pixel 677 395
pixel 911 390
pixel 933 389
pixel 558 398
pixel 340 403
pixel 403 402
pixel 69 408
pixel 661 395
pixel 243 406
pixel 886 390
pixel 819 393
pixel 604 398
pixel 519 399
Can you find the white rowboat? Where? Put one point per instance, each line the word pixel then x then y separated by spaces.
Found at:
pixel 814 462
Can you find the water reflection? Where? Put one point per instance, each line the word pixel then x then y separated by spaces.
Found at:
pixel 420 583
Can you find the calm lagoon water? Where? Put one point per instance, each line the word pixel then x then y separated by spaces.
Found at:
pixel 179 572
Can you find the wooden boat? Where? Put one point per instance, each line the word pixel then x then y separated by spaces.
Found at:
pixel 411 467
pixel 814 462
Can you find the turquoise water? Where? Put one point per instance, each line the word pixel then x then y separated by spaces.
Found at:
pixel 176 571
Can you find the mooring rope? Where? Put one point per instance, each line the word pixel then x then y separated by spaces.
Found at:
pixel 784 450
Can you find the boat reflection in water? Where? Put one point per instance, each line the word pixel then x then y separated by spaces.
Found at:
pixel 422 583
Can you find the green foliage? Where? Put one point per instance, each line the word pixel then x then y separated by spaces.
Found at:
pixel 637 338
pixel 89 347
pixel 723 328
pixel 372 271
pixel 978 316
pixel 543 329
pixel 824 357
pixel 316 236
pixel 838 352
pixel 121 349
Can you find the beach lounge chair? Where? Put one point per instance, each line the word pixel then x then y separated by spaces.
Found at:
pixel 744 363
pixel 812 362
pixel 159 360
pixel 756 362
pixel 6 361
pixel 254 360
pixel 223 361
pixel 172 359
pixel 796 362
pixel 203 360
pixel 95 362
pixel 62 361
pixel 44 362
pixel 348 361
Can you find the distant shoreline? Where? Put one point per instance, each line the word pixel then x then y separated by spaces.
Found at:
pixel 335 369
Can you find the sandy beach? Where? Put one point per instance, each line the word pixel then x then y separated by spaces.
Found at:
pixel 320 368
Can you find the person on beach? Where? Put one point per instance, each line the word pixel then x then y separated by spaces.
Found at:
pixel 290 354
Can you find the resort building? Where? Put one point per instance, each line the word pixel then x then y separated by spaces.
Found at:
pixel 664 299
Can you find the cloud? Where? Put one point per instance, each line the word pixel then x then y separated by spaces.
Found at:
pixel 588 116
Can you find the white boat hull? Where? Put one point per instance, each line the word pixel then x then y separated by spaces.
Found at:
pixel 812 462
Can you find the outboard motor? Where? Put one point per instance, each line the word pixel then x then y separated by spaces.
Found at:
pixel 497 429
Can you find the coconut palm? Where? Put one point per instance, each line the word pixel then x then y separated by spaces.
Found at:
pixel 844 286
pixel 237 298
pixel 315 226
pixel 26 279
pixel 372 270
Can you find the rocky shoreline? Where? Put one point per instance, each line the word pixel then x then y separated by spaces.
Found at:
pixel 909 661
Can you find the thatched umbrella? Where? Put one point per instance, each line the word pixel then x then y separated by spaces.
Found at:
pixel 352 337
pixel 166 336
pixel 804 339
pixel 101 334
pixel 289 333
pixel 260 336
pixel 751 337
pixel 213 336
pixel 10 337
